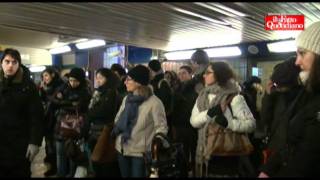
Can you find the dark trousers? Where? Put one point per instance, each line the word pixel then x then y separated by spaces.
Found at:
pixel 131 166
pixel 51 155
pixel 188 137
pixel 18 169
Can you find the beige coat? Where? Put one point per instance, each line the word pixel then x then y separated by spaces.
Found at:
pixel 151 120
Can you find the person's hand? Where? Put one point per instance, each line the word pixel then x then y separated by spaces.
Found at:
pixel 213 111
pixel 263 175
pixel 32 151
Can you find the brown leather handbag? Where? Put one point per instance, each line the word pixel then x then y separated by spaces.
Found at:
pixel 224 142
pixel 104 150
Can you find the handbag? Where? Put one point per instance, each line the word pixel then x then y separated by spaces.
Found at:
pixel 104 151
pixel 225 142
pixel 70 125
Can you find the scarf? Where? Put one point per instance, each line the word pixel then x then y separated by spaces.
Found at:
pixel 203 104
pixel 128 117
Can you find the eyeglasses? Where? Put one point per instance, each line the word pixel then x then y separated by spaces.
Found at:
pixel 208 72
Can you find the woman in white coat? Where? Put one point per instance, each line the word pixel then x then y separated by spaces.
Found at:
pixel 211 106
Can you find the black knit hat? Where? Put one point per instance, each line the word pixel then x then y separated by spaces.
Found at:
pixel 286 73
pixel 78 73
pixel 154 65
pixel 140 74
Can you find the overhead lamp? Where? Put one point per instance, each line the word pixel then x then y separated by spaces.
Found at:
pixel 60 50
pixel 201 16
pixel 179 55
pixel 223 51
pixel 282 46
pixel 37 68
pixel 238 13
pixel 215 9
pixel 90 44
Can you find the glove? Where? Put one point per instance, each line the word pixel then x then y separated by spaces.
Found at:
pixel 221 120
pixel 214 111
pixel 32 151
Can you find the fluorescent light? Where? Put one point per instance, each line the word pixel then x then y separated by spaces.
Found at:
pixel 37 68
pixel 223 51
pixel 179 55
pixel 60 50
pixel 90 44
pixel 282 46
pixel 216 9
pixel 200 16
pixel 229 9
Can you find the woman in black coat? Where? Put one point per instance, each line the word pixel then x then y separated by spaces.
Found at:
pixel 72 98
pixel 300 156
pixel 103 107
pixel 49 86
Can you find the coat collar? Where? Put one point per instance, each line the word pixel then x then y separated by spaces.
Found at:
pixel 18 77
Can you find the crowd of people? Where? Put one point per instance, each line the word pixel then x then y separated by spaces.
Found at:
pixel 227 128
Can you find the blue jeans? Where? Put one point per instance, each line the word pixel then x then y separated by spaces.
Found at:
pixel 62 161
pixel 131 166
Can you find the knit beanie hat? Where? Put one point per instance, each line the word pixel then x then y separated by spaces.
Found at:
pixel 309 39
pixel 154 65
pixel 140 74
pixel 286 73
pixel 78 73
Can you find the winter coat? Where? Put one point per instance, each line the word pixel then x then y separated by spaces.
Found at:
pixel 162 90
pixel 79 95
pixel 21 116
pixel 299 157
pixel 151 120
pixel 241 121
pixel 184 100
pixel 47 94
pixel 274 106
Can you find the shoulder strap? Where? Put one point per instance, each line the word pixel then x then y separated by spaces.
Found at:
pixel 228 102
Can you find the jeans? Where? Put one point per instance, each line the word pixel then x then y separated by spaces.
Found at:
pixel 131 166
pixel 62 161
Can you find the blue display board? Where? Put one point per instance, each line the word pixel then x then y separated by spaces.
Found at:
pixel 114 55
pixel 138 55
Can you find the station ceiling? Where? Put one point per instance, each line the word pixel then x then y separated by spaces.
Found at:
pixel 164 26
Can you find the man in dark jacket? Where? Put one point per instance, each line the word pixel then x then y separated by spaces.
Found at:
pixel 199 62
pixel 21 117
pixel 161 87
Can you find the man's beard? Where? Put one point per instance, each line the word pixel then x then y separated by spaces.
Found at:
pixel 303 76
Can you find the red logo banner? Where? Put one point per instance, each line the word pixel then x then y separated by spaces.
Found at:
pixel 284 22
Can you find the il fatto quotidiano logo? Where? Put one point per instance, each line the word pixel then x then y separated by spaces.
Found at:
pixel 284 22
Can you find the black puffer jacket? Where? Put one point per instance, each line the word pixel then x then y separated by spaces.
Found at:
pixel 21 116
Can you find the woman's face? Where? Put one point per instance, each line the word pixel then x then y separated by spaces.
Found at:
pixel 47 77
pixel 131 84
pixel 184 75
pixel 209 77
pixel 74 83
pixel 100 80
pixel 305 59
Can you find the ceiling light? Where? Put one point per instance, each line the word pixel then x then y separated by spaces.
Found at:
pixel 282 46
pixel 223 51
pixel 229 9
pixel 179 55
pixel 200 16
pixel 216 9
pixel 37 68
pixel 91 44
pixel 60 50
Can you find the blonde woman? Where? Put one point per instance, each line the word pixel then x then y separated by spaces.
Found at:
pixel 140 117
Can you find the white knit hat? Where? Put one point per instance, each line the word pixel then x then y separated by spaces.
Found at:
pixel 309 39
